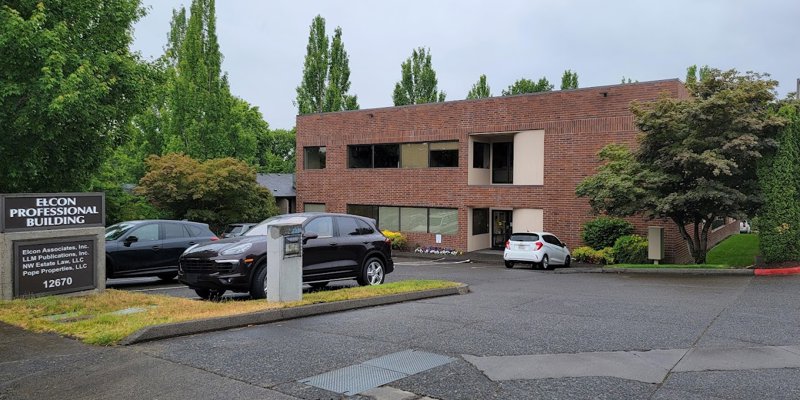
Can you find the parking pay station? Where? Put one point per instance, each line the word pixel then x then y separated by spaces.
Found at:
pixel 285 262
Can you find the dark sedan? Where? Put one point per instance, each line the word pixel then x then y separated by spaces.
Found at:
pixel 335 247
pixel 151 247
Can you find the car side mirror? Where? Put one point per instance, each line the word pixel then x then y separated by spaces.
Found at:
pixel 309 235
pixel 563 244
pixel 129 240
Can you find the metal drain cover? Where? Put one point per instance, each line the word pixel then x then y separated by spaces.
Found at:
pixel 376 372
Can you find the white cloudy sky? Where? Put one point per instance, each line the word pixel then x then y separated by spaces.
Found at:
pixel 264 42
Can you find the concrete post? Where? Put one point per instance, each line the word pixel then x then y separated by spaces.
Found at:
pixel 284 263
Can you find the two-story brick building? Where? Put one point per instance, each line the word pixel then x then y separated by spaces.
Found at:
pixel 474 170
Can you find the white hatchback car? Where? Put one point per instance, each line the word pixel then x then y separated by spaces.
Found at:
pixel 540 249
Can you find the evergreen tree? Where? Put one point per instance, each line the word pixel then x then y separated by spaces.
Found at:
pixel 418 81
pixel 569 80
pixel 326 73
pixel 480 89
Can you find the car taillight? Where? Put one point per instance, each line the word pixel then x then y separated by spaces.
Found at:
pixel 537 246
pixel 213 238
pixel 508 244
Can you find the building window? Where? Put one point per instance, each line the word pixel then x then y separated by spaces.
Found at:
pixel 314 207
pixel 480 221
pixel 503 162
pixel 414 155
pixel 413 219
pixel 443 220
pixel 314 157
pixel 480 155
pixel 364 211
pixel 444 154
pixel 386 156
pixel 359 156
pixel 389 218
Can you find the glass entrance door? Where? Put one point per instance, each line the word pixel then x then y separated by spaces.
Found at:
pixel 501 228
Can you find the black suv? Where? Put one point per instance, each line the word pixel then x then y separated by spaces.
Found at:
pixel 335 247
pixel 151 247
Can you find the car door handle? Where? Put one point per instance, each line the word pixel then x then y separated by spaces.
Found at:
pixel 156 248
pixel 333 244
pixel 191 243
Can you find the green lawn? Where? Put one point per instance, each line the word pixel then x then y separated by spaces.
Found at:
pixel 736 251
pixel 708 266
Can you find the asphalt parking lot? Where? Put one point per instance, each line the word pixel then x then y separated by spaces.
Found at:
pixel 731 337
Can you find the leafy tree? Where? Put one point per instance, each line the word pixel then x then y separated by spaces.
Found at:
pixel 69 86
pixel 216 191
pixel 627 80
pixel 418 83
pixel 523 85
pixel 779 176
pixel 697 158
pixel 569 80
pixel 480 90
pixel 276 150
pixel 326 73
pixel 693 74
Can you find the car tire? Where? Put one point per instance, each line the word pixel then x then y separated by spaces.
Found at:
pixel 567 261
pixel 167 277
pixel 210 294
pixel 258 287
pixel 509 264
pixel 318 285
pixel 372 272
pixel 545 264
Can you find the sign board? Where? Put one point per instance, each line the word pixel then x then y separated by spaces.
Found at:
pixel 52 266
pixel 45 211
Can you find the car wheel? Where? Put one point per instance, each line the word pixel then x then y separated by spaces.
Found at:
pixel 567 261
pixel 509 264
pixel 167 277
pixel 210 294
pixel 318 285
pixel 372 273
pixel 258 289
pixel 545 262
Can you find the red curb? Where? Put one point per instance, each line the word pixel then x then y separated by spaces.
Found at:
pixel 777 271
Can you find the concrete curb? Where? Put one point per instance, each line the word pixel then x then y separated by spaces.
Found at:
pixel 679 271
pixel 164 331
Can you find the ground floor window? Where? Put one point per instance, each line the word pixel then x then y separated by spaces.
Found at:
pixel 410 219
pixel 480 221
pixel 314 207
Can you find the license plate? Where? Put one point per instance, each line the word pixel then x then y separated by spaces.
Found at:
pixel 522 247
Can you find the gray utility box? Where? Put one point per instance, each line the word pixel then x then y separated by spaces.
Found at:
pixel 655 243
pixel 285 262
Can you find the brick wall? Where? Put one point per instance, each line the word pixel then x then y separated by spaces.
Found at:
pixel 577 124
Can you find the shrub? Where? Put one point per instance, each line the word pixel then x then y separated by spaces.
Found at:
pixel 602 232
pixel 630 249
pixel 589 255
pixel 399 241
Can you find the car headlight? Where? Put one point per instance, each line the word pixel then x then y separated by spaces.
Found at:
pixel 238 249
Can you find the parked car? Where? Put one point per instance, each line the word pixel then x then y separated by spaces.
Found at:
pixel 233 230
pixel 335 247
pixel 151 247
pixel 744 226
pixel 540 249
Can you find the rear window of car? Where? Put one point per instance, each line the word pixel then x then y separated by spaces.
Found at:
pixel 524 237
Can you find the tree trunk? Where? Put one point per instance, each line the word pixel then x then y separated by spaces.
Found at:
pixel 698 243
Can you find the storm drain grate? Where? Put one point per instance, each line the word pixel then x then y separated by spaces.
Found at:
pixel 376 372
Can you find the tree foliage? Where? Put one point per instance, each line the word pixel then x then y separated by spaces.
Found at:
pixel 569 80
pixel 604 231
pixel 69 86
pixel 779 176
pixel 418 83
pixel 326 73
pixel 697 158
pixel 480 90
pixel 216 191
pixel 276 150
pixel 523 85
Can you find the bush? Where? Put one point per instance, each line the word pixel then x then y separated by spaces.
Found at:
pixel 630 249
pixel 589 255
pixel 603 232
pixel 399 241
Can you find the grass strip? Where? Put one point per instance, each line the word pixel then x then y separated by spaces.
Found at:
pixel 107 318
pixel 671 266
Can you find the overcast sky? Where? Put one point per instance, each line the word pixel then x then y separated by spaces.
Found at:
pixel 264 42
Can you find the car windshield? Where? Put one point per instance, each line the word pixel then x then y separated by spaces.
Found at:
pixel 261 228
pixel 235 229
pixel 524 237
pixel 116 231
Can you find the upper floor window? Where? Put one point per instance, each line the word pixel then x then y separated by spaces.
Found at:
pixel 314 157
pixel 403 155
pixel 480 155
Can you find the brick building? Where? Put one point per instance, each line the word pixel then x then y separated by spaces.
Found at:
pixel 471 171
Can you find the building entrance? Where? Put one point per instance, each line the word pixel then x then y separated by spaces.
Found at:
pixel 501 228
